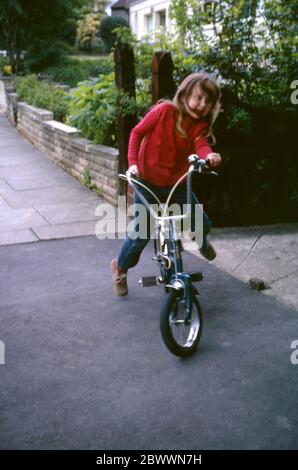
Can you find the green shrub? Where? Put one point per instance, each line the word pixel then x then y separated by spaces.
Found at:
pixel 106 29
pixel 69 74
pixel 98 46
pixel 42 95
pixel 73 71
pixel 96 67
pixel 93 109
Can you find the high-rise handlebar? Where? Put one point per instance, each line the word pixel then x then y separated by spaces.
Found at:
pixel 196 164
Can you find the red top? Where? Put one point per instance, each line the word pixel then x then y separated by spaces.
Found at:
pixel 160 153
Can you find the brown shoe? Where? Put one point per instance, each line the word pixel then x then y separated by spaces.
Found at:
pixel 119 277
pixel 209 252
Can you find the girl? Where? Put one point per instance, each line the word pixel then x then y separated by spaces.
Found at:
pixel 158 150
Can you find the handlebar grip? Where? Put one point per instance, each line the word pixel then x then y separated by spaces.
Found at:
pixel 131 174
pixel 201 165
pixel 194 159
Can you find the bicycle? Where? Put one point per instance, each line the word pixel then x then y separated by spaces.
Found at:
pixel 181 320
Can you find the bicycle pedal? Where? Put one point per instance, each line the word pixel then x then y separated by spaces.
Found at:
pixel 148 281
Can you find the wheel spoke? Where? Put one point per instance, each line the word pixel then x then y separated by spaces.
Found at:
pixel 181 339
pixel 184 335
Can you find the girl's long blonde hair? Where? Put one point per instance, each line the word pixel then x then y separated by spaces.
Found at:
pixel 185 89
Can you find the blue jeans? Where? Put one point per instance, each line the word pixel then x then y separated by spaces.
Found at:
pixel 132 248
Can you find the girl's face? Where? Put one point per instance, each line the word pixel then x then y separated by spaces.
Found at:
pixel 198 104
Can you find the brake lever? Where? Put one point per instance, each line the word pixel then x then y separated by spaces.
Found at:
pixel 208 170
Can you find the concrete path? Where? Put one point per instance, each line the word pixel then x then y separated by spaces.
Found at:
pixel 38 200
pixel 87 370
pixel 268 253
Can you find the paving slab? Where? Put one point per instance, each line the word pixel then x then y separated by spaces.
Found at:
pixel 83 211
pixel 69 230
pixel 17 160
pixel 23 183
pixel 3 120
pixel 57 195
pixel 40 167
pixel 17 219
pixel 20 151
pixel 4 206
pixel 5 188
pixel 69 212
pixel 6 131
pixel 17 237
pixel 8 141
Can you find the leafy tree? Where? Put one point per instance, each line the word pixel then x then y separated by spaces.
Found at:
pixel 90 15
pixel 34 32
pixel 251 43
pixel 87 29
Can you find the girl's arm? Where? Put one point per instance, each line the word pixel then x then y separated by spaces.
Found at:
pixel 202 147
pixel 137 134
pixel 204 151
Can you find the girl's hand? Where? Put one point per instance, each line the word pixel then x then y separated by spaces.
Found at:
pixel 134 170
pixel 213 159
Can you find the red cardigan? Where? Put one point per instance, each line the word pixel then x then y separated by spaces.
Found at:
pixel 160 153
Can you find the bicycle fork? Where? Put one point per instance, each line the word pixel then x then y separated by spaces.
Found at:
pixel 182 281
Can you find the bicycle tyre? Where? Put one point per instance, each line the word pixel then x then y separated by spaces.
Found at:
pixel 168 324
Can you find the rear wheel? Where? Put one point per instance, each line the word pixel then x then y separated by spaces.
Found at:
pixel 180 338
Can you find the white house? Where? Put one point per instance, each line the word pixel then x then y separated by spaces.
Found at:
pixel 147 16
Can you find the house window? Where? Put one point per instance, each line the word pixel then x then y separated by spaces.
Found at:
pixel 161 18
pixel 148 23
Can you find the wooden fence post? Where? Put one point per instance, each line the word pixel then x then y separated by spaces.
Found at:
pixel 163 85
pixel 125 81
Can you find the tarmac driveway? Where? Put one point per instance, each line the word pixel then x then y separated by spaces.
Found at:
pixel 86 370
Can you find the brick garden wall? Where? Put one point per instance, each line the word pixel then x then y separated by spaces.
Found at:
pixel 64 145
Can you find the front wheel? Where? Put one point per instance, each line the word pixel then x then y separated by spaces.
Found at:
pixel 180 338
